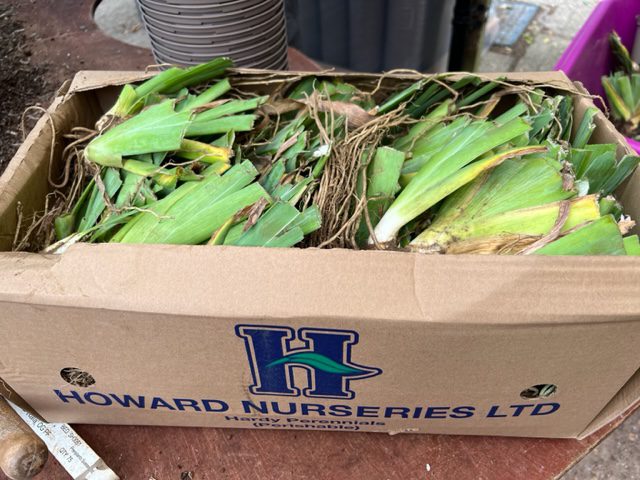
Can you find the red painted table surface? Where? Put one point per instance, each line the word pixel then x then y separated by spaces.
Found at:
pixel 63 35
pixel 169 453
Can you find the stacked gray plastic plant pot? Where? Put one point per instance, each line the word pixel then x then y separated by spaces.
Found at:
pixel 188 32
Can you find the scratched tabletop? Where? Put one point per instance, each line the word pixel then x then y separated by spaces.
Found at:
pixel 168 453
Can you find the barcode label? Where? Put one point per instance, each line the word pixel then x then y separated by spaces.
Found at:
pixel 75 456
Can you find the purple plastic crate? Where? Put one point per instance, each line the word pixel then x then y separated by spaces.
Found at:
pixel 588 56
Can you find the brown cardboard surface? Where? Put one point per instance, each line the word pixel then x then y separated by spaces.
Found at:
pixel 457 337
pixel 628 395
pixel 93 79
pixel 170 356
pixel 336 283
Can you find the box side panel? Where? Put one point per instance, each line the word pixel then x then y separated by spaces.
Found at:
pixel 314 372
pixel 630 197
pixel 604 132
pixel 626 398
pixel 629 192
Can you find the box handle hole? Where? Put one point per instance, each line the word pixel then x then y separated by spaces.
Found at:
pixel 77 377
pixel 543 390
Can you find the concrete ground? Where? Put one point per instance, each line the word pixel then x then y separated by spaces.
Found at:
pixel 548 35
pixel 617 457
pixel 121 19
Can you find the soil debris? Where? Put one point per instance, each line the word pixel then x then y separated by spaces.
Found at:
pixel 23 84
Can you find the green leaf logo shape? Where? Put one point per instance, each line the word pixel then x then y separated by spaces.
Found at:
pixel 321 362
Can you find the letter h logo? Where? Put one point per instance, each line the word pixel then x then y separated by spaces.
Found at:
pixel 326 357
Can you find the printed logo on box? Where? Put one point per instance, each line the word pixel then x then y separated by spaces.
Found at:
pixel 325 355
pixel 312 363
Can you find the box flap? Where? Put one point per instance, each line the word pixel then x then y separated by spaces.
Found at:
pixel 92 79
pixel 370 284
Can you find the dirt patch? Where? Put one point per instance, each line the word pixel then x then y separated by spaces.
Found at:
pixel 22 83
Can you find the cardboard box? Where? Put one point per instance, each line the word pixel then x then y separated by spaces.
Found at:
pixel 188 335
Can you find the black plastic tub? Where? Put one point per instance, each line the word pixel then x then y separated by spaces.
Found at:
pixel 366 35
pixel 373 35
